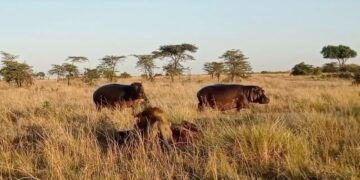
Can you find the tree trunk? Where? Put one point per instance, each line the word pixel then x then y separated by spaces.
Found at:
pixel 172 78
pixel 112 74
pixel 339 62
pixel 341 65
pixel 68 82
pixel 343 61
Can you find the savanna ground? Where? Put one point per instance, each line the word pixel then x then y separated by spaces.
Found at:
pixel 310 130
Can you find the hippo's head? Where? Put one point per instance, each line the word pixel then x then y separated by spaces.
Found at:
pixel 139 91
pixel 257 95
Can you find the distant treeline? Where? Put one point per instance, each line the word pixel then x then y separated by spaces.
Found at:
pixel 233 63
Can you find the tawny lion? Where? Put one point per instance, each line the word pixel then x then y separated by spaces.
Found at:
pixel 153 126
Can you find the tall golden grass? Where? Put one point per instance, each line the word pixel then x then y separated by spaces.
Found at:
pixel 310 129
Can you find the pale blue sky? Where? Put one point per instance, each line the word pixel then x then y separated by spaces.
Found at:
pixel 274 34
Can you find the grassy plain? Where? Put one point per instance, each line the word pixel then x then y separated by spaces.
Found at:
pixel 310 129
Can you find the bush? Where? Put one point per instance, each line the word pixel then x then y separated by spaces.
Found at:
pixel 13 71
pixel 345 75
pixel 125 75
pixel 317 71
pixel 91 75
pixel 305 69
pixel 357 78
pixel 330 67
pixel 342 75
pixel 354 68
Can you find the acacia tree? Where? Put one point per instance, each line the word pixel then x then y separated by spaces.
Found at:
pixel 77 59
pixel 214 69
pixel 71 71
pixel 219 68
pixel 208 67
pixel 171 71
pixel 108 65
pixel 341 53
pixel 176 54
pixel 13 71
pixel 58 70
pixel 91 75
pixel 236 64
pixel 40 75
pixel 8 57
pixel 147 65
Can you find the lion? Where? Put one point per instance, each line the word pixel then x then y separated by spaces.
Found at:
pixel 153 126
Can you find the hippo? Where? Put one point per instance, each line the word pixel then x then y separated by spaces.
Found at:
pixel 229 96
pixel 120 95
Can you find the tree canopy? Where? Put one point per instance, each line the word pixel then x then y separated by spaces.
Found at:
pixel 219 68
pixel 77 59
pixel 71 71
pixel 57 70
pixel 108 66
pixel 40 75
pixel 8 57
pixel 13 71
pixel 90 75
pixel 236 64
pixel 209 68
pixel 176 54
pixel 147 65
pixel 341 53
pixel 214 69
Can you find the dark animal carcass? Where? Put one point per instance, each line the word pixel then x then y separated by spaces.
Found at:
pixel 120 95
pixel 185 133
pixel 229 96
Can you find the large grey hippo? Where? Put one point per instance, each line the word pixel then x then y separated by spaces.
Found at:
pixel 229 96
pixel 120 95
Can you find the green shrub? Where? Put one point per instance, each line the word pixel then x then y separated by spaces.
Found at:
pixel 345 75
pixel 125 75
pixel 317 71
pixel 357 78
pixel 330 67
pixel 91 75
pixel 354 68
pixel 305 69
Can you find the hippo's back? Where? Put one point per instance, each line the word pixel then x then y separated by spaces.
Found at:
pixel 220 96
pixel 110 93
pixel 219 90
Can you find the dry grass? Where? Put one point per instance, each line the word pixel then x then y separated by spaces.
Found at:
pixel 310 129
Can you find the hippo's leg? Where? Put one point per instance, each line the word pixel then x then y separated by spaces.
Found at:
pixel 202 103
pixel 201 106
pixel 98 107
pixel 212 103
pixel 241 104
